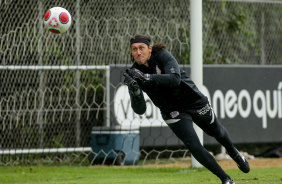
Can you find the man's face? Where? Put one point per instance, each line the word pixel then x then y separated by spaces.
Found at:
pixel 141 53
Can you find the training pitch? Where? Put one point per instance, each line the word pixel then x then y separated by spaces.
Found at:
pixel 263 171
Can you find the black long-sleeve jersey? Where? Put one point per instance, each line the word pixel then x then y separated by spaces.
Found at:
pixel 170 90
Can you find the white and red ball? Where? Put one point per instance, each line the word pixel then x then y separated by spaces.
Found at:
pixel 57 20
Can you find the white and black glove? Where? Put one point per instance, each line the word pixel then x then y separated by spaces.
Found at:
pixel 138 75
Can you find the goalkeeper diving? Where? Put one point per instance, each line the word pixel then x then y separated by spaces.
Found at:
pixel 155 71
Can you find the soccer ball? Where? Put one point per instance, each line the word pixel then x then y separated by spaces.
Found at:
pixel 57 20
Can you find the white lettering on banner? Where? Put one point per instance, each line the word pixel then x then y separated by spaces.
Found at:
pixel 244 94
pixel 218 95
pixel 264 104
pixel 260 112
pixel 280 100
pixel 125 115
pixel 230 104
pixel 271 112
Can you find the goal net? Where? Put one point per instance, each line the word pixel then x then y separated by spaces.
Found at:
pixel 56 88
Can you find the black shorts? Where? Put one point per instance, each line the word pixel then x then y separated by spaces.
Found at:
pixel 203 116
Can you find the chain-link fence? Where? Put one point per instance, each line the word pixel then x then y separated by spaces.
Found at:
pixel 42 108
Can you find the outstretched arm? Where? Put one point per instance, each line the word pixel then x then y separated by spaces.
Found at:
pixel 138 103
pixel 169 77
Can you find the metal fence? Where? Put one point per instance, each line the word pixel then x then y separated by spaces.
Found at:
pixel 57 108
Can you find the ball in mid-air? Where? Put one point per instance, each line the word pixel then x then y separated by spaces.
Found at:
pixel 57 20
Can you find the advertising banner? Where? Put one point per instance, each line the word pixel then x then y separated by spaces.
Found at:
pixel 246 99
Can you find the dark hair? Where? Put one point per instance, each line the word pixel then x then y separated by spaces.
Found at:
pixel 156 47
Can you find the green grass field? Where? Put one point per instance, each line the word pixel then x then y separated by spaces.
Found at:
pixel 136 175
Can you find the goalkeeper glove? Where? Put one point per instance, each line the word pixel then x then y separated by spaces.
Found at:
pixel 138 75
pixel 131 83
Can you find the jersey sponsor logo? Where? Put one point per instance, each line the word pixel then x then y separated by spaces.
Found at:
pixel 174 114
pixel 158 70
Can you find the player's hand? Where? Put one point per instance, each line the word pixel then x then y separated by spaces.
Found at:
pixel 138 75
pixel 130 82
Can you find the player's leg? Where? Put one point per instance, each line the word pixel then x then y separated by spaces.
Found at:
pixel 184 130
pixel 222 136
pixel 207 121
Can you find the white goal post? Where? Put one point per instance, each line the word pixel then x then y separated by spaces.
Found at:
pixel 57 67
pixel 196 59
pixel 46 150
